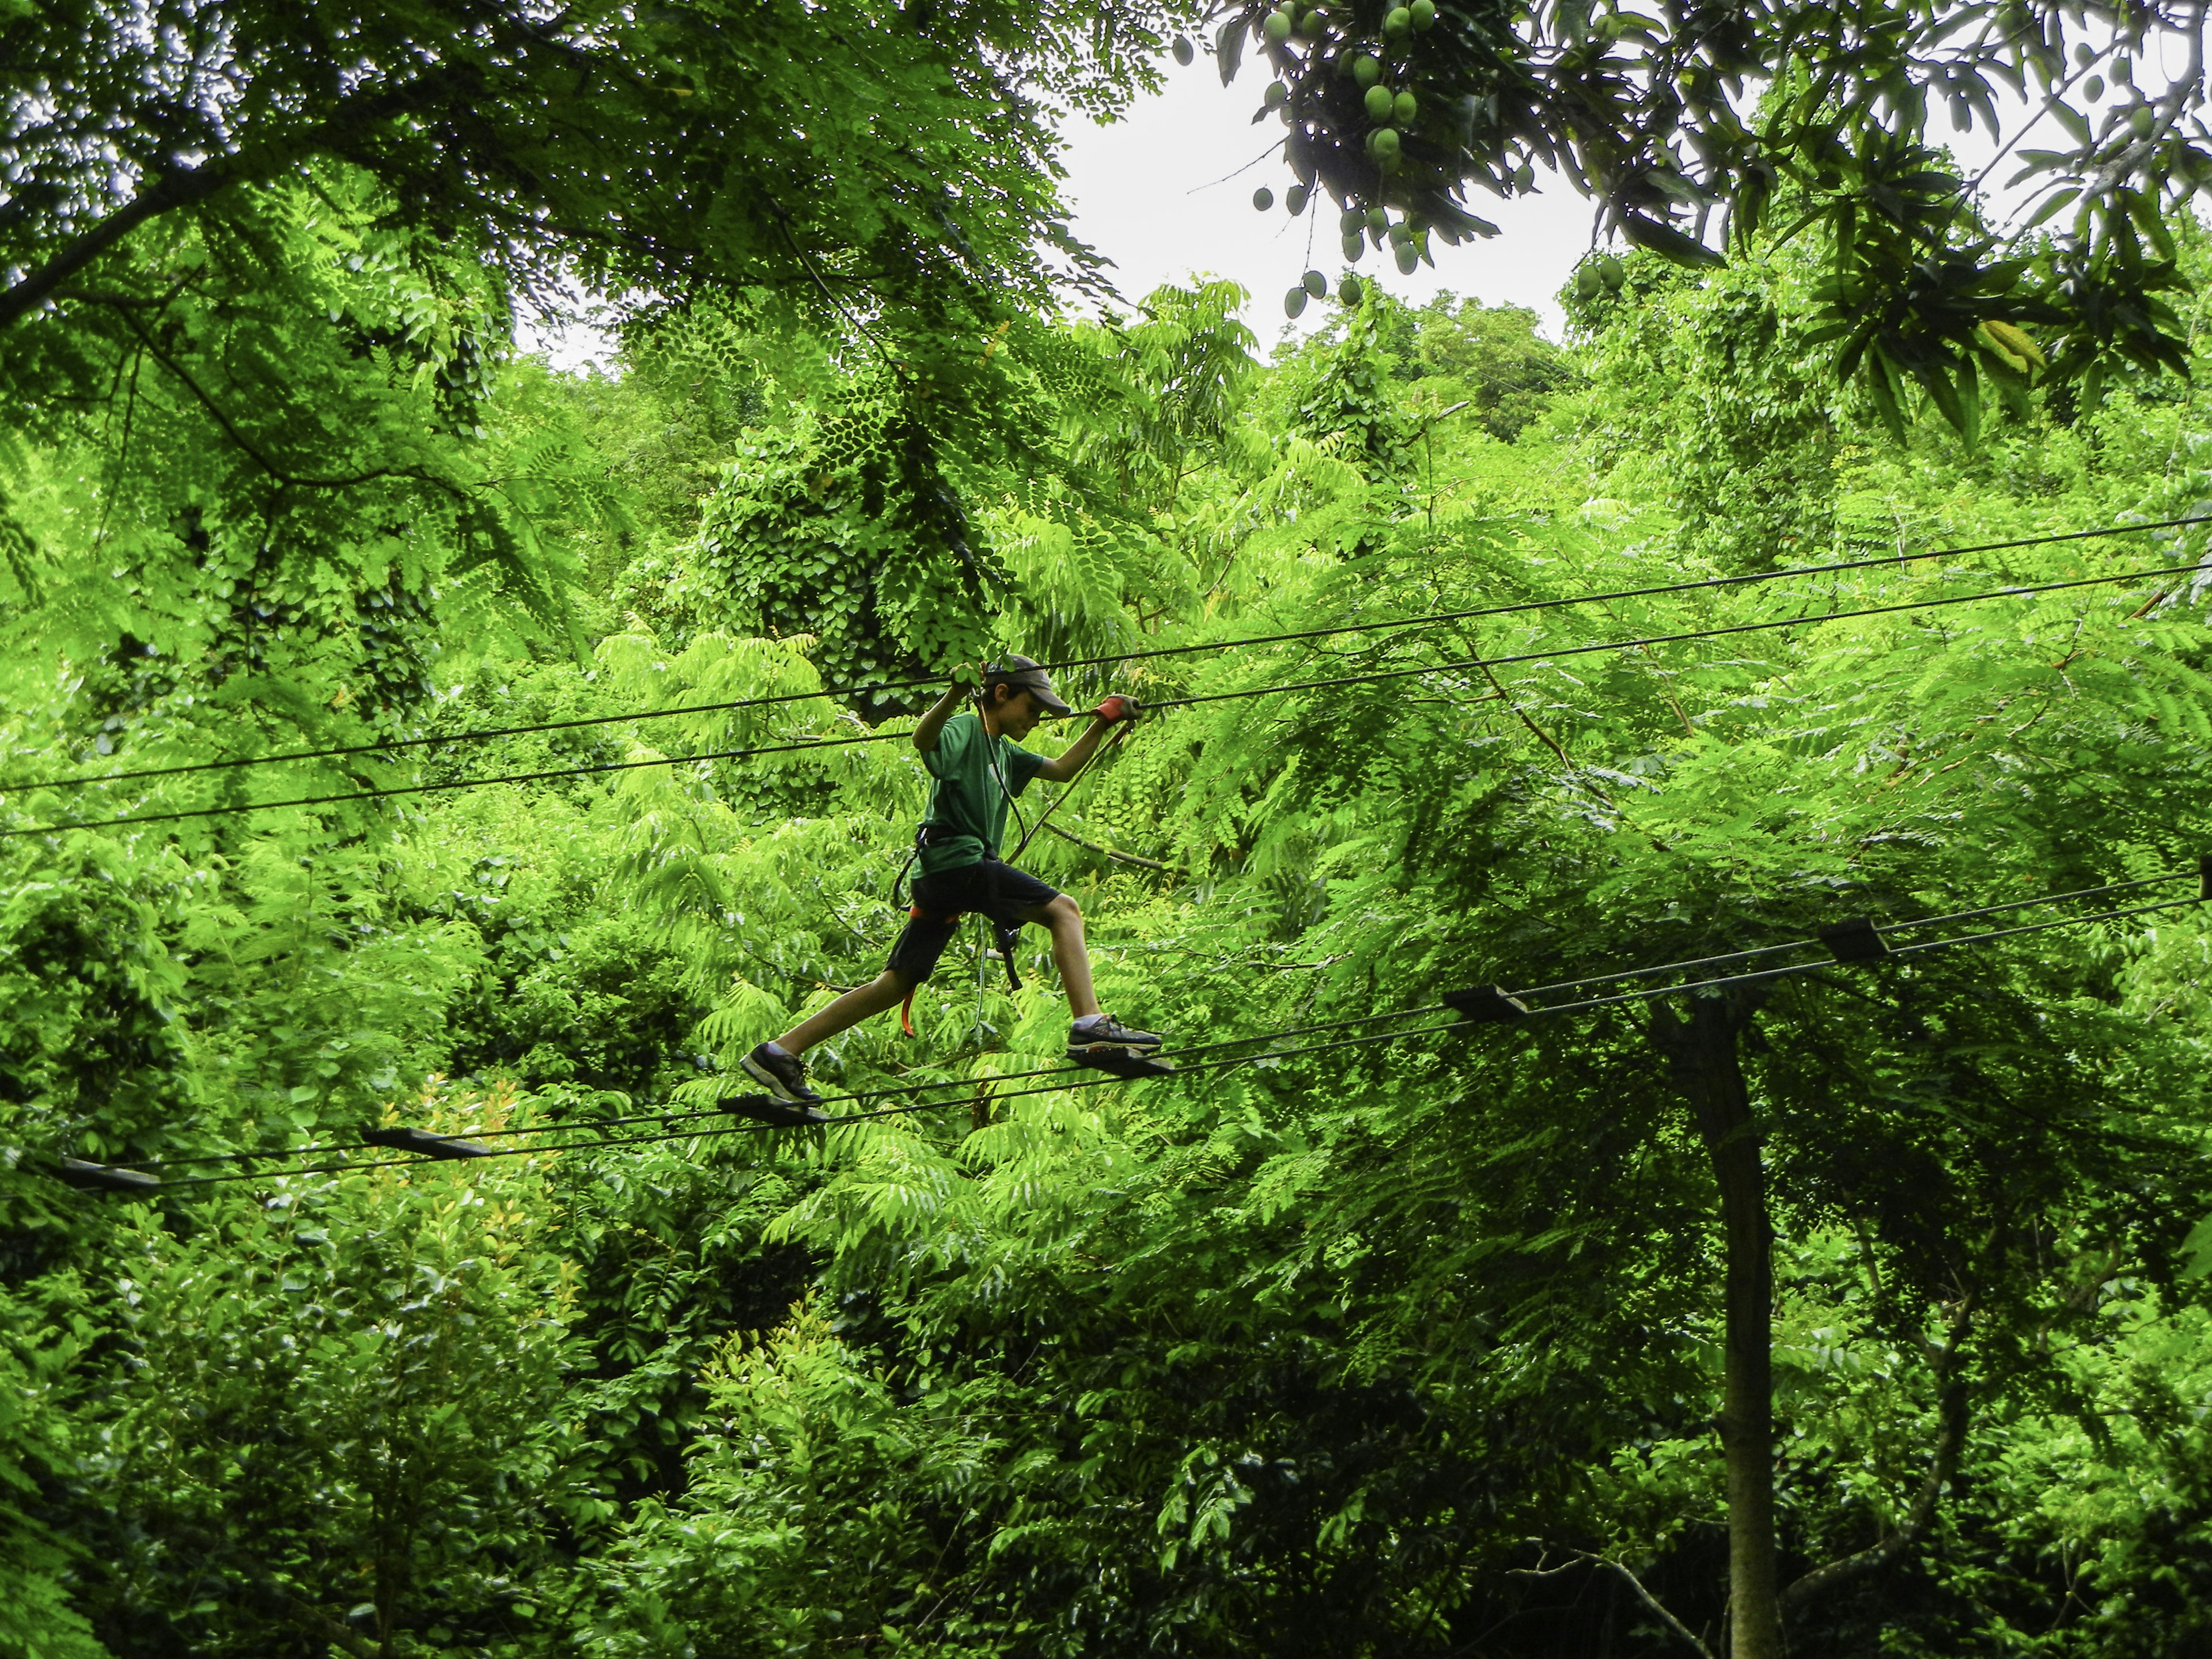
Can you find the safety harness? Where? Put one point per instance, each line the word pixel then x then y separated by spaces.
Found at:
pixel 1008 934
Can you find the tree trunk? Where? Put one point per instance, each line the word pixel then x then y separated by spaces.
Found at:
pixel 1702 1054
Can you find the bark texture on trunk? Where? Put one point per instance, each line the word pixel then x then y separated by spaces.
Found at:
pixel 1702 1054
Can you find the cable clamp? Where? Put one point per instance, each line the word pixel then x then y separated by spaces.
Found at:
pixel 1855 940
pixel 80 1172
pixel 1481 1003
pixel 423 1142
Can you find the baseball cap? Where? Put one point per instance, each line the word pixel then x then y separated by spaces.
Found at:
pixel 1024 672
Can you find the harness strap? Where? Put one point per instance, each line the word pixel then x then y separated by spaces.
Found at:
pixel 926 835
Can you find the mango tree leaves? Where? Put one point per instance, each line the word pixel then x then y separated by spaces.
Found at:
pixel 1771 116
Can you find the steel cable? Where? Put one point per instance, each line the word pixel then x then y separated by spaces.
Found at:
pixel 967 1086
pixel 1368 677
pixel 485 734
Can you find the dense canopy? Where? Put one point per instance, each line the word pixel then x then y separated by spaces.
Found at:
pixel 406 739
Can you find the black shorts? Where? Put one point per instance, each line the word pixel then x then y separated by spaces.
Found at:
pixel 993 888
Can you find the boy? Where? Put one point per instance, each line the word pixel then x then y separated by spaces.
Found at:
pixel 973 753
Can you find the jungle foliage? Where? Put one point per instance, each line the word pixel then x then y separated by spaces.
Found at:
pixel 1413 1348
pixel 1858 1312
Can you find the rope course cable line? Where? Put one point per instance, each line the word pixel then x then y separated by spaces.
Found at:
pixel 451 784
pixel 1476 1006
pixel 1093 1080
pixel 1757 950
pixel 1649 993
pixel 390 745
pixel 1693 634
pixel 894 1090
pixel 1372 677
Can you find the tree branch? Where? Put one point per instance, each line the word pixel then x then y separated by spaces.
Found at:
pixel 279 1598
pixel 1943 1462
pixel 1124 858
pixel 179 187
pixel 1657 1608
pixel 1542 736
pixel 315 1620
pixel 291 481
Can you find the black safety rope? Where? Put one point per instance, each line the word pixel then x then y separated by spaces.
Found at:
pixel 1368 677
pixel 965 1087
pixel 1121 730
pixel 1556 652
pixel 1810 944
pixel 388 745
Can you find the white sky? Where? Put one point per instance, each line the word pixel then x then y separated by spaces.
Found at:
pixel 1144 194
pixel 1148 192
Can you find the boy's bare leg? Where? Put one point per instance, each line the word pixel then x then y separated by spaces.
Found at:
pixel 886 990
pixel 1069 954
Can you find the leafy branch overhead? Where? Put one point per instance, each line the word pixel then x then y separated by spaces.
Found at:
pixel 886 153
pixel 1700 128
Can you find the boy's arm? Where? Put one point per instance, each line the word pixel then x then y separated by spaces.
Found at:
pixel 1066 766
pixel 956 696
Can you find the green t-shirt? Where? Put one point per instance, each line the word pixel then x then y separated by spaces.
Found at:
pixel 966 797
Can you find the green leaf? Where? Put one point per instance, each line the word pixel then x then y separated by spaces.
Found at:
pixel 2077 128
pixel 2053 205
pixel 1668 242
pixel 2197 1251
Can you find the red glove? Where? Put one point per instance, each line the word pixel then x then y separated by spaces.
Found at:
pixel 1118 708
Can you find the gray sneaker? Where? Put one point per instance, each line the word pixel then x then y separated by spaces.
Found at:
pixel 784 1076
pixel 1103 1033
